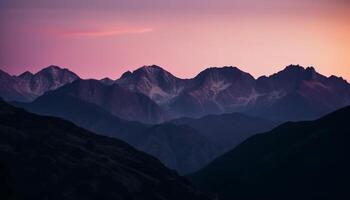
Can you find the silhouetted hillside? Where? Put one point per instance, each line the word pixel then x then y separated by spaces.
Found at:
pixel 49 158
pixel 302 160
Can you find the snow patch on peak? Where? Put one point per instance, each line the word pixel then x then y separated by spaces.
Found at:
pixel 218 86
pixel 158 94
pixel 316 84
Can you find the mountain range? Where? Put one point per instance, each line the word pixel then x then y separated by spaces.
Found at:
pixel 297 160
pixel 28 86
pixel 293 94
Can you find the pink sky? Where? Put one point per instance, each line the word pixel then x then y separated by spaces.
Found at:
pixel 104 38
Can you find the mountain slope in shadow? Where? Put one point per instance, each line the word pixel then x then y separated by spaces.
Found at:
pixel 228 130
pixel 49 158
pixel 301 160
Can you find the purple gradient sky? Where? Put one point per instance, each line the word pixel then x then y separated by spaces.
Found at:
pixel 104 38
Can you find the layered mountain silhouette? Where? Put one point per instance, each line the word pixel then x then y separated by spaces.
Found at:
pixel 49 158
pixel 186 124
pixel 297 160
pixel 152 95
pixel 295 93
pixel 27 86
pixel 227 130
pixel 179 147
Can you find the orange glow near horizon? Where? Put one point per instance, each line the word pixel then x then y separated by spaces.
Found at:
pixel 104 40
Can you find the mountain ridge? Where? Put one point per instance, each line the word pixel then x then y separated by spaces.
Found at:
pixel 292 94
pixel 28 86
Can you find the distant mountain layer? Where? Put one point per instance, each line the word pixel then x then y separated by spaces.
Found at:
pixel 49 158
pixel 150 94
pixel 27 86
pixel 301 160
pixel 179 147
pixel 227 130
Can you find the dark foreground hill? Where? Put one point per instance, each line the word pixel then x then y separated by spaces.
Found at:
pixel 49 158
pixel 303 160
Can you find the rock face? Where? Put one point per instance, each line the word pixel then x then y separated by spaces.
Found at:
pixel 49 158
pixel 297 160
pixel 11 88
pixel 112 98
pixel 154 82
pixel 27 86
pixel 213 91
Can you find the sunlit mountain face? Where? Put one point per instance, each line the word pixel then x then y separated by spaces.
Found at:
pixel 167 100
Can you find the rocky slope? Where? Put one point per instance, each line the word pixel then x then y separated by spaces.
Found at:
pixel 112 98
pixel 27 86
pixel 154 82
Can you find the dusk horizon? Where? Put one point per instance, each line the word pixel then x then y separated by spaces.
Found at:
pixel 106 38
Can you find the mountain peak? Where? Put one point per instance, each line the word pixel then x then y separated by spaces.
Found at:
pixel 147 70
pixel 294 67
pixel 299 69
pixel 53 68
pixel 126 74
pixel 224 69
pixel 56 71
pixel 213 69
pixel 107 81
pixel 338 79
pixel 223 72
pixel 298 72
pixel 26 75
pixel 3 73
pixel 310 68
pixel 150 69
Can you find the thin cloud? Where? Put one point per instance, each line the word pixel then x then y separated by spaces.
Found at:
pixel 102 33
pixel 95 33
